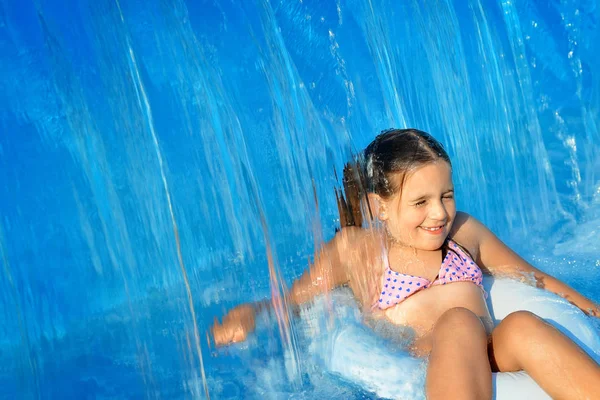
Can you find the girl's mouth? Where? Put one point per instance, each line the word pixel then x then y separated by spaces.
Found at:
pixel 434 230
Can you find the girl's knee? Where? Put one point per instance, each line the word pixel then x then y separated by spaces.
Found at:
pixel 458 315
pixel 459 322
pixel 519 328
pixel 516 338
pixel 523 322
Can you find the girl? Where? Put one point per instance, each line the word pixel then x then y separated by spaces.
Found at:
pixel 419 262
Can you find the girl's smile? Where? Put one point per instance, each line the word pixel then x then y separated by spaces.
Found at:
pixel 437 230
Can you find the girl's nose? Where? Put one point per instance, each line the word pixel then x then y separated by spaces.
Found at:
pixel 438 212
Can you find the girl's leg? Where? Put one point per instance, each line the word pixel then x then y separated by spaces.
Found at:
pixel 523 341
pixel 458 363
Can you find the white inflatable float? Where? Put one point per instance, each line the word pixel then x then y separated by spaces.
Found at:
pixel 349 349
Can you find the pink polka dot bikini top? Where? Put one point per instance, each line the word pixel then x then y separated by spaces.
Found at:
pixel 457 266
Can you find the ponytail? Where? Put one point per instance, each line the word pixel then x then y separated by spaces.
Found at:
pixel 349 198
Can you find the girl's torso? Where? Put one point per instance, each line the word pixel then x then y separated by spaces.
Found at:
pixel 419 310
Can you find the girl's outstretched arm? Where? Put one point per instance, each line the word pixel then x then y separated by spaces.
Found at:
pixel 328 270
pixel 496 257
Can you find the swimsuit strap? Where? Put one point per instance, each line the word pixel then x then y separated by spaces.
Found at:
pixel 448 242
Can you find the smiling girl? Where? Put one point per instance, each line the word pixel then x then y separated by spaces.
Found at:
pixel 418 262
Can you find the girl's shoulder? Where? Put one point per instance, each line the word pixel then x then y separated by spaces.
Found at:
pixel 466 231
pixel 358 245
pixel 352 238
pixel 360 253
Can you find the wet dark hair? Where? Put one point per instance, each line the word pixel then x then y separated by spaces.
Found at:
pixel 393 152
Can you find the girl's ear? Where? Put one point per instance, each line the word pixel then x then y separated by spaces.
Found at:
pixel 378 206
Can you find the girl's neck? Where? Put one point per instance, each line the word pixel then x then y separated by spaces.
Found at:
pixel 399 247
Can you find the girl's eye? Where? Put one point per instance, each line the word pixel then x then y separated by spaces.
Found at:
pixel 420 203
pixel 448 196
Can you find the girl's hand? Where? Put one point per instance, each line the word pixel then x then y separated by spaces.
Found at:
pixel 590 309
pixel 593 312
pixel 236 326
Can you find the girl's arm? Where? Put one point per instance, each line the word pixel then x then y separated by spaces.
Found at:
pixel 328 270
pixel 499 259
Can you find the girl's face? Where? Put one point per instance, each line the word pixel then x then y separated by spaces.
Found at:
pixel 422 213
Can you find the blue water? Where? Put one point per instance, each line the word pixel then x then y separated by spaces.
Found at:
pixel 142 144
